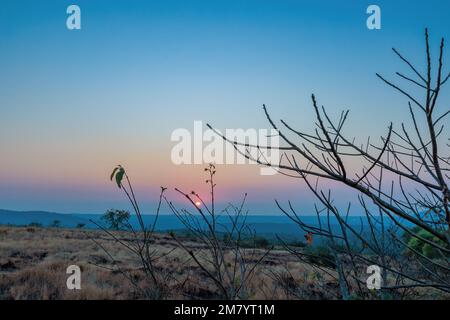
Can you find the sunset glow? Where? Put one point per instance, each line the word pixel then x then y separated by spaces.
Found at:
pixel 76 103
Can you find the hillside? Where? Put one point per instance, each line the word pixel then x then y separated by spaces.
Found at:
pixel 268 226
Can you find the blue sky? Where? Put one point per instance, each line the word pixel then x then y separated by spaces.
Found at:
pixel 73 104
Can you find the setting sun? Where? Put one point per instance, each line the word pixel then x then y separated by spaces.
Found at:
pixel 198 203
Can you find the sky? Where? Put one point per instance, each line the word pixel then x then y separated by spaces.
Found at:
pixel 75 103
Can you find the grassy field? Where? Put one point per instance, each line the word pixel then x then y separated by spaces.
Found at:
pixel 33 264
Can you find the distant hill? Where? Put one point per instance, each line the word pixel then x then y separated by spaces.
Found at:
pixel 21 218
pixel 263 225
pixel 267 226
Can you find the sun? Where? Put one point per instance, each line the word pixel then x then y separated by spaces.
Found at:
pixel 198 203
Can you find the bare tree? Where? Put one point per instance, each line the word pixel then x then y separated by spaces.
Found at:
pixel 401 185
pixel 222 257
pixel 116 219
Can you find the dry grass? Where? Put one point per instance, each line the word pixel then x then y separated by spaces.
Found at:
pixel 33 264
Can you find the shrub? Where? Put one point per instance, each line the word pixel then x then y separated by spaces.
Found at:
pixel 56 224
pixel 35 224
pixel 116 219
pixel 421 246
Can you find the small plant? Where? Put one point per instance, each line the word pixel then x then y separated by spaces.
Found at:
pixel 35 225
pixel 139 243
pixel 55 224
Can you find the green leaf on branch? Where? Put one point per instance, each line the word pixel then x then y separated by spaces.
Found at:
pixel 118 173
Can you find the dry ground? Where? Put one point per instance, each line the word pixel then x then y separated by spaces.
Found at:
pixel 33 264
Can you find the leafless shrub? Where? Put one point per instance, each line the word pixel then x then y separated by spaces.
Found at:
pixel 139 243
pixel 402 189
pixel 222 259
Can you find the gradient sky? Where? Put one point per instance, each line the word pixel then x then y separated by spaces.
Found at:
pixel 73 104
